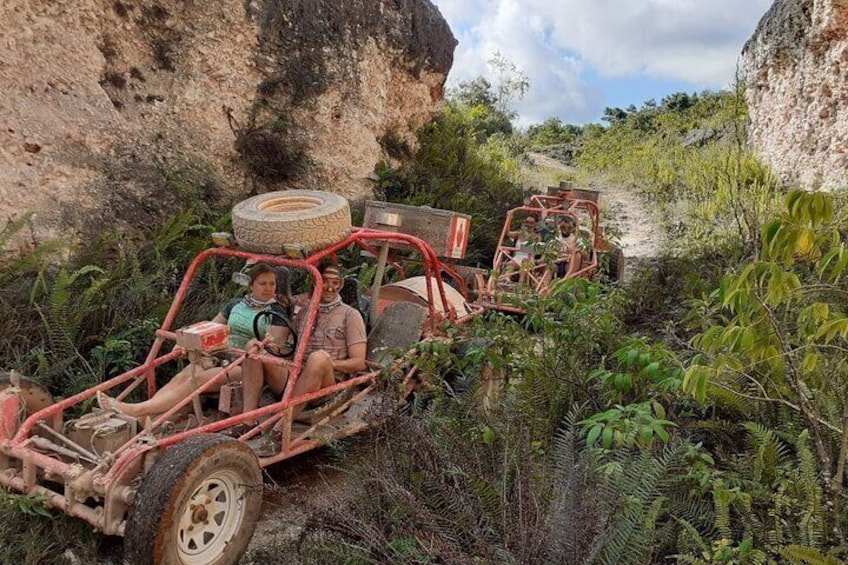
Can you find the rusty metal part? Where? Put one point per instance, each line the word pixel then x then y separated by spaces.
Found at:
pixel 11 410
pixel 414 289
pixel 231 398
pixel 102 432
pixel 445 231
pixel 88 455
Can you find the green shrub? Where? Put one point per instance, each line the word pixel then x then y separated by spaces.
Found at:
pixel 773 334
pixel 71 320
pixel 712 194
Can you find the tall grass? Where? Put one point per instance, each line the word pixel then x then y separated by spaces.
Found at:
pixel 713 192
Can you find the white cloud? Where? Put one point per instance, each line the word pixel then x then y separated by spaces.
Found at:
pixel 693 41
pixel 558 43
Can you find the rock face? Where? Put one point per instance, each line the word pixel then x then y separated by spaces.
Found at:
pixel 117 110
pixel 796 74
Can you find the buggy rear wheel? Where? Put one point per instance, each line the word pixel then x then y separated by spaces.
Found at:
pixel 197 506
pixel 25 398
pixel 614 267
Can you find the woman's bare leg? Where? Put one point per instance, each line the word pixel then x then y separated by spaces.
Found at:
pixel 276 377
pixel 252 379
pixel 255 375
pixel 178 388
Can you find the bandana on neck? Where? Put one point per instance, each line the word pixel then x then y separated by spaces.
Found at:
pixel 324 308
pixel 255 302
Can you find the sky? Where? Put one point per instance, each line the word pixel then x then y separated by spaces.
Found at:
pixel 581 56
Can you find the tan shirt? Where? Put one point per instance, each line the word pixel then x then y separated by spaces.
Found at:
pixel 334 331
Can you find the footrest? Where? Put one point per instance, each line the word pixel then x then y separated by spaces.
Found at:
pixel 314 414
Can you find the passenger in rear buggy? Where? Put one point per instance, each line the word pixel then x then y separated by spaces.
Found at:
pixel 524 238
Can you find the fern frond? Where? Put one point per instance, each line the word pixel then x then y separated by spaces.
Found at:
pixel 174 229
pixel 801 555
pixel 638 482
pixel 769 452
pixel 689 536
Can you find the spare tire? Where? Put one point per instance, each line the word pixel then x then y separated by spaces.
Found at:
pixel 310 218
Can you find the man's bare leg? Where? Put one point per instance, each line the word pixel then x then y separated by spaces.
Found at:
pixel 575 264
pixel 317 373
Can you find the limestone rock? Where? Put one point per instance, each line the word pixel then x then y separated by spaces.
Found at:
pixel 112 109
pixel 795 69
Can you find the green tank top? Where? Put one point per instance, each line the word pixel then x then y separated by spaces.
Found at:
pixel 240 321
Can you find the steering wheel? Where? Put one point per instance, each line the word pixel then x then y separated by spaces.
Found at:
pixel 285 349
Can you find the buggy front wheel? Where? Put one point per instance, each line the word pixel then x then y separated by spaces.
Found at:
pixel 197 505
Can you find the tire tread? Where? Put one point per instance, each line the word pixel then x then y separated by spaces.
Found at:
pixel 318 227
pixel 156 492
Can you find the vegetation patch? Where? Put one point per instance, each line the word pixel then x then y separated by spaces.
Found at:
pixel 164 41
pixel 395 146
pixel 272 152
pixel 30 533
pixel 73 316
pixel 715 195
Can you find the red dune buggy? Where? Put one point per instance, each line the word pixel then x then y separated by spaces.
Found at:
pixel 522 267
pixel 177 487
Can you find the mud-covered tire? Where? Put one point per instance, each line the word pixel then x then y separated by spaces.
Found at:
pixel 614 268
pixel 309 218
pixel 197 505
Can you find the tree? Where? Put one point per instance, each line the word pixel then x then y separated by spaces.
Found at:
pixel 679 101
pixel 489 105
pixel 476 92
pixel 512 83
pixel 480 102
pixel 614 116
pixel 551 132
pixel 775 333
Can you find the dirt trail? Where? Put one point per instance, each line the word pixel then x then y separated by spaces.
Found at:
pixel 288 486
pixel 623 211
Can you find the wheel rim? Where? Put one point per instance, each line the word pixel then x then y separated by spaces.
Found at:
pixel 211 518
